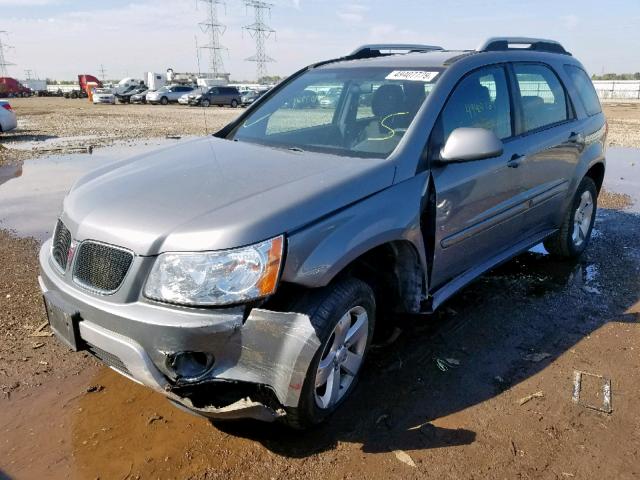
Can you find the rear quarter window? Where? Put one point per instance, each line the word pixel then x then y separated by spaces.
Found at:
pixel 584 87
pixel 542 96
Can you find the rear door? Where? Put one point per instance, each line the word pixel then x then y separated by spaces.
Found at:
pixel 478 203
pixel 549 146
pixel 228 95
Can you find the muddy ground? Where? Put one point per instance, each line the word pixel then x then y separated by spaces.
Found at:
pixel 60 125
pixel 482 389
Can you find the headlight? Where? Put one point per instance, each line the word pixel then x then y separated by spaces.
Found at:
pixel 216 278
pixel 198 97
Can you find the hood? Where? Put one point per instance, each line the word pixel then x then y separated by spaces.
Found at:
pixel 212 194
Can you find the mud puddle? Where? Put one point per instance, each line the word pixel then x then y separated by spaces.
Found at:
pixel 623 173
pixel 31 194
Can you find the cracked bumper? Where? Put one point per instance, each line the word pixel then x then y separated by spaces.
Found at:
pixel 135 336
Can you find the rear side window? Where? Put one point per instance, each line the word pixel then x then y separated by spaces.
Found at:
pixel 543 98
pixel 586 91
pixel 480 100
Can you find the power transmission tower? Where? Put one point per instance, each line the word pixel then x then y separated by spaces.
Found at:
pixel 215 29
pixel 3 62
pixel 103 72
pixel 260 32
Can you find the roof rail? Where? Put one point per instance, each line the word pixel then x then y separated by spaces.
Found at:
pixel 496 44
pixel 375 49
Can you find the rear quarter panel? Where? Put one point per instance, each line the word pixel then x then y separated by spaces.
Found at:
pixel 592 127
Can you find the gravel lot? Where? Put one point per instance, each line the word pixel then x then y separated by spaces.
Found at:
pixel 60 125
pixel 501 407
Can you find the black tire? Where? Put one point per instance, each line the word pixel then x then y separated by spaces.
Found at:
pixel 205 103
pixel 325 307
pixel 164 101
pixel 234 103
pixel 562 243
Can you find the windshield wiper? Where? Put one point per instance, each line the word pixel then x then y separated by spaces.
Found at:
pixel 296 149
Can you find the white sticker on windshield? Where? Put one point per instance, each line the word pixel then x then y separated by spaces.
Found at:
pixel 412 75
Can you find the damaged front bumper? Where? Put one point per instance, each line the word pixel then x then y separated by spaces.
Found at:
pixel 268 350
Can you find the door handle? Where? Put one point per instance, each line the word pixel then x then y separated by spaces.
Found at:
pixel 576 138
pixel 515 161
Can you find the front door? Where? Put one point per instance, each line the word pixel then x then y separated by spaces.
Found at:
pixel 478 203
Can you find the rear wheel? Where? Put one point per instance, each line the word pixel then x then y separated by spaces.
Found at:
pixel 343 316
pixel 575 232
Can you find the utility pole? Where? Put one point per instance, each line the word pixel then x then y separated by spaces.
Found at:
pixel 260 32
pixel 195 37
pixel 3 62
pixel 103 72
pixel 212 26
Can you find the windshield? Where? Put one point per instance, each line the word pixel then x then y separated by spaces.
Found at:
pixel 360 112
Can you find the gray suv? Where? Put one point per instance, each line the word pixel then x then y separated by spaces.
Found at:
pixel 168 94
pixel 244 274
pixel 219 96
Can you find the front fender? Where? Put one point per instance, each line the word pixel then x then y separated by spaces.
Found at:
pixel 320 251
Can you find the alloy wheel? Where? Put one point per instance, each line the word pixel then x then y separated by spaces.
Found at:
pixel 342 357
pixel 582 219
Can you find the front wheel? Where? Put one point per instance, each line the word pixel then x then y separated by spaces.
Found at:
pixel 234 103
pixel 574 234
pixel 205 103
pixel 164 101
pixel 343 316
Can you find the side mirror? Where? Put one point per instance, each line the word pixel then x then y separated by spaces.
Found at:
pixel 466 144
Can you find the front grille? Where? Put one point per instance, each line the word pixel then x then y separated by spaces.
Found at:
pixel 101 267
pixel 109 359
pixel 61 245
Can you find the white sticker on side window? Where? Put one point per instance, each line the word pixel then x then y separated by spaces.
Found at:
pixel 412 75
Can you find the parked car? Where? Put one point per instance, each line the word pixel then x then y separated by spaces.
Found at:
pixel 186 98
pixel 219 96
pixel 140 91
pixel 8 120
pixel 168 94
pixel 140 97
pixel 307 99
pixel 104 96
pixel 329 99
pixel 251 96
pixel 248 279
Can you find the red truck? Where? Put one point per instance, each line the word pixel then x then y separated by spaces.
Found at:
pixel 86 83
pixel 10 87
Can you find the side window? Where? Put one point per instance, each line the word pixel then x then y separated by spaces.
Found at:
pixel 480 100
pixel 586 91
pixel 544 101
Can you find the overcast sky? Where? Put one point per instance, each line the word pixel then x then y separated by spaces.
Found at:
pixel 61 38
